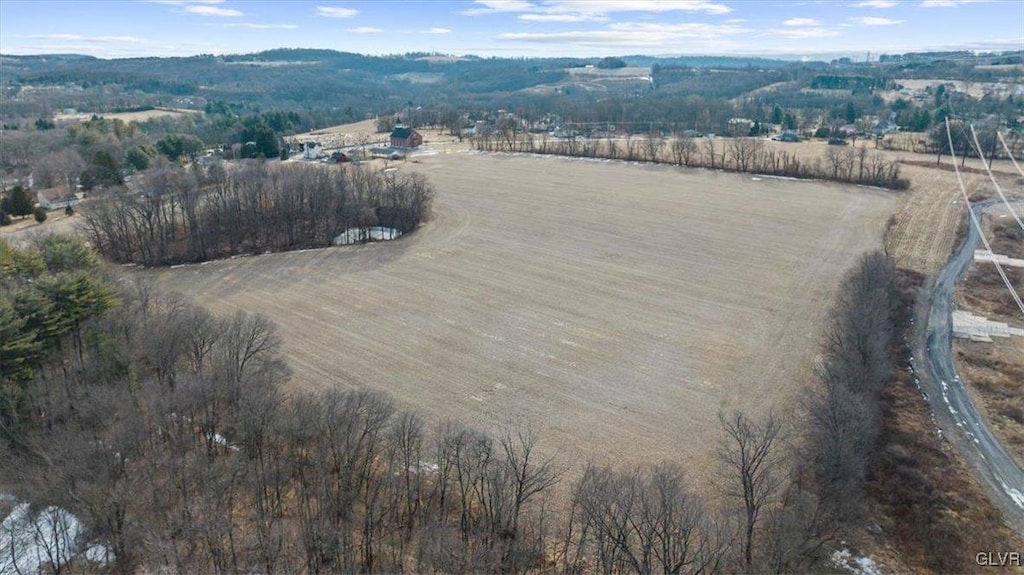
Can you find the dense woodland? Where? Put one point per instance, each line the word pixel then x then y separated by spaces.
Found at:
pixel 173 215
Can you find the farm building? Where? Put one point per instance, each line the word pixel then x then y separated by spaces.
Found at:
pixel 403 137
pixel 883 128
pixel 56 198
pixel 311 150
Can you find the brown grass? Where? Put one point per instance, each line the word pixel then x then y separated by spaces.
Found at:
pixel 927 500
pixel 995 371
pixel 930 506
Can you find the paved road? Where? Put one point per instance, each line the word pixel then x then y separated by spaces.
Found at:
pixel 951 404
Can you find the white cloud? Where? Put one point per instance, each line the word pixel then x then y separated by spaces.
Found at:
pixel 364 30
pixel 185 2
pixel 207 10
pixel 947 3
pixel 335 12
pixel 491 6
pixel 590 10
pixel 801 33
pixel 877 4
pixel 261 26
pixel 801 22
pixel 637 35
pixel 532 17
pixel 438 31
pixel 610 6
pixel 874 21
pixel 91 39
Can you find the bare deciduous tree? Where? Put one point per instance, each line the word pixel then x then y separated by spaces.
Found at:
pixel 750 456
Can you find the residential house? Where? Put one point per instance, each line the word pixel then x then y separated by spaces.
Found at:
pixel 56 198
pixel 884 127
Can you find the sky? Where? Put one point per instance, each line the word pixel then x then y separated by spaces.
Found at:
pixel 584 28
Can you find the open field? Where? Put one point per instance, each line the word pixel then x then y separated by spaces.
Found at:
pixel 23 230
pixel 615 307
pixel 127 116
pixel 345 135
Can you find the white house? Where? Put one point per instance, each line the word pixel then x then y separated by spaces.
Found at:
pixel 56 198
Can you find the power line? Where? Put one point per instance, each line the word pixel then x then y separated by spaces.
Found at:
pixel 977 225
pixel 1007 148
pixel 992 177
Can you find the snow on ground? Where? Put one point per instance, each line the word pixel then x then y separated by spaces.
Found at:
pixel 859 565
pixel 29 542
pixel 99 554
pixel 360 235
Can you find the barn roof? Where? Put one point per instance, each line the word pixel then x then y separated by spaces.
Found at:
pixel 402 132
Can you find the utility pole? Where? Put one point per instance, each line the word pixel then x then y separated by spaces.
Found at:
pixel 992 148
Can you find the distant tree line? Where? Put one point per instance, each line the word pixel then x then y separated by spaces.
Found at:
pixel 176 216
pixel 746 155
pixel 854 83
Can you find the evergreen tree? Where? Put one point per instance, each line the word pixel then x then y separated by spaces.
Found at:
pixel 19 201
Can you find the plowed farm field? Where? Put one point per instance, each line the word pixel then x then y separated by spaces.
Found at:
pixel 616 308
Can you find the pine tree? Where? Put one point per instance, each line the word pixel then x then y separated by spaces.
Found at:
pixel 20 201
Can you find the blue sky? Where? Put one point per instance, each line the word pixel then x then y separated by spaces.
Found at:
pixel 128 28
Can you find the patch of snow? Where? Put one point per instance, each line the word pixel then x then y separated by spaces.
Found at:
pixel 100 554
pixel 29 542
pixel 786 178
pixel 223 442
pixel 859 565
pixel 1014 494
pixel 361 235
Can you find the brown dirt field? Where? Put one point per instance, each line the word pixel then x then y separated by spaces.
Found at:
pixel 344 135
pixel 995 371
pixel 128 116
pixel 615 307
pixel 923 233
pixel 924 229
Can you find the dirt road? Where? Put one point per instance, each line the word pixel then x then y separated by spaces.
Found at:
pixel 954 410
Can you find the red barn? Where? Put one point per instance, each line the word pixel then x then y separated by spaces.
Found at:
pixel 402 137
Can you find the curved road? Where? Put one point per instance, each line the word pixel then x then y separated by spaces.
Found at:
pixel 950 402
